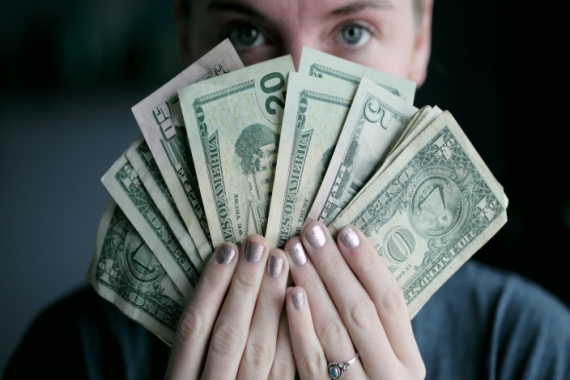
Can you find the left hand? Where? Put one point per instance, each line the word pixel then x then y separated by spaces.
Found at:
pixel 346 302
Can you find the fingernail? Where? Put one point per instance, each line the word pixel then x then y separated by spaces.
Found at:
pixel 274 266
pixel 316 237
pixel 349 237
pixel 298 299
pixel 225 254
pixel 297 253
pixel 253 251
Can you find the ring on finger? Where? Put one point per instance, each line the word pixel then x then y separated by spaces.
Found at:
pixel 337 369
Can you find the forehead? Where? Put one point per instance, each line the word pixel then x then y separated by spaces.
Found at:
pixel 298 8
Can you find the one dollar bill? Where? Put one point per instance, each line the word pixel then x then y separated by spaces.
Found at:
pixel 125 272
pixel 430 210
pixel 126 188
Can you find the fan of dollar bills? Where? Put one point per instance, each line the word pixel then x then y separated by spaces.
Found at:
pixel 228 151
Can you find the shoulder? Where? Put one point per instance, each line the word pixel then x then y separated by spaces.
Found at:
pixel 495 324
pixel 94 339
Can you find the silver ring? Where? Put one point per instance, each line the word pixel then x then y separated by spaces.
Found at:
pixel 336 369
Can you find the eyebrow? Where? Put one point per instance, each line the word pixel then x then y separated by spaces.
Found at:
pixel 233 5
pixel 360 5
pixel 240 7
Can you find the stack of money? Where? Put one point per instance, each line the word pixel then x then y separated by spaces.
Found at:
pixel 227 151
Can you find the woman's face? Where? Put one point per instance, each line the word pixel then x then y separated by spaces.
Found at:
pixel 383 34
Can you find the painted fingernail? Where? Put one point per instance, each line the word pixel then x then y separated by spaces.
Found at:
pixel 297 253
pixel 274 266
pixel 253 251
pixel 349 237
pixel 225 254
pixel 316 237
pixel 298 299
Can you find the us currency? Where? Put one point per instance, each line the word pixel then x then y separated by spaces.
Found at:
pixel 314 115
pixel 160 120
pixel 125 272
pixel 126 188
pixel 375 121
pixel 233 124
pixel 140 157
pixel 421 119
pixel 323 65
pixel 430 210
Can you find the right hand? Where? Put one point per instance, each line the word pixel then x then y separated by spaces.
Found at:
pixel 234 325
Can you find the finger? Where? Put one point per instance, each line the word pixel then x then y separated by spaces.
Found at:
pixel 309 354
pixel 351 299
pixel 329 327
pixel 198 317
pixel 384 290
pixel 231 329
pixel 284 363
pixel 261 344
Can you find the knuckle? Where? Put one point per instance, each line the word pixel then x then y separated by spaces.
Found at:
pixel 363 313
pixel 258 352
pixel 393 302
pixel 311 365
pixel 191 324
pixel 246 283
pixel 331 332
pixel 225 340
pixel 282 369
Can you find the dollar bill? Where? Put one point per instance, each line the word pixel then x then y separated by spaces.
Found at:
pixel 314 115
pixel 233 124
pixel 375 121
pixel 125 272
pixel 126 188
pixel 160 120
pixel 140 157
pixel 430 210
pixel 323 65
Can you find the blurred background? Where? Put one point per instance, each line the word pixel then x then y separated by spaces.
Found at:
pixel 72 70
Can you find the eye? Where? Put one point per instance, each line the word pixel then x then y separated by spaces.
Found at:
pixel 245 35
pixel 354 35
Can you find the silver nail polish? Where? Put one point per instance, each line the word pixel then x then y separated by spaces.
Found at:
pixel 350 238
pixel 298 299
pixel 274 266
pixel 225 254
pixel 253 251
pixel 316 237
pixel 297 253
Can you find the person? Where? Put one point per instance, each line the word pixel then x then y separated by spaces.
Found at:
pixel 344 314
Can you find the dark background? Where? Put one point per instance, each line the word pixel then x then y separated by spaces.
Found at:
pixel 71 70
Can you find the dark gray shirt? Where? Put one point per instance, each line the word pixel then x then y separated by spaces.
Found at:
pixel 482 323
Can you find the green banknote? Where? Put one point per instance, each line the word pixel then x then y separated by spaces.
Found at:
pixel 375 121
pixel 126 188
pixel 314 115
pixel 323 65
pixel 125 272
pixel 233 124
pixel 142 160
pixel 160 120
pixel 430 210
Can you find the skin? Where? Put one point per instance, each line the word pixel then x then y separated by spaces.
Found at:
pixel 248 321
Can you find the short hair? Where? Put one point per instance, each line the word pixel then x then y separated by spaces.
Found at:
pixel 417 6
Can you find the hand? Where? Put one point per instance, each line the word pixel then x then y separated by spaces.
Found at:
pixel 234 325
pixel 345 302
